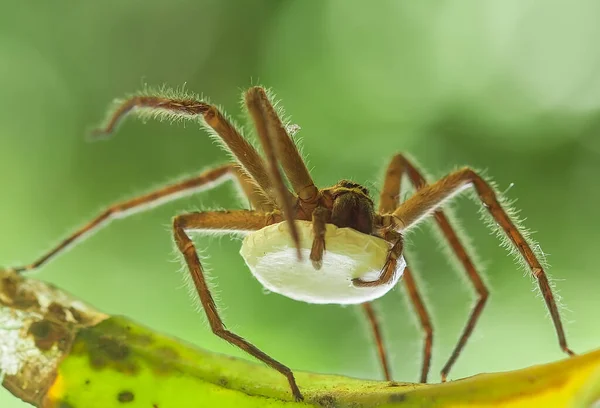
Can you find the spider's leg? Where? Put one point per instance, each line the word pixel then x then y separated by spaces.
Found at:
pixel 429 198
pixel 287 153
pixel 274 140
pixel 374 322
pixel 388 201
pixel 320 217
pixel 389 268
pixel 186 108
pixel 228 221
pixel 165 194
pixel 257 199
pixel 399 166
pixel 424 320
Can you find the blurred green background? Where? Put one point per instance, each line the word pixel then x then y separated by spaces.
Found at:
pixel 507 86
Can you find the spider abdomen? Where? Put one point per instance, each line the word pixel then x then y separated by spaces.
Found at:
pixel 271 256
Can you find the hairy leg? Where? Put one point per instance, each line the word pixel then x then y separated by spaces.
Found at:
pixel 320 217
pixel 381 352
pixel 419 307
pixel 388 201
pixel 205 180
pixel 288 155
pixel 256 198
pixel 267 127
pixel 389 268
pixel 402 165
pixel 429 198
pixel 227 221
pixel 424 320
pixel 190 109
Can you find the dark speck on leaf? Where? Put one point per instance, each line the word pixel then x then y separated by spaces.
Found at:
pixel 327 401
pixel 125 396
pixel 113 349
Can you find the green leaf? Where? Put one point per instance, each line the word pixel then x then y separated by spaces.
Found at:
pixel 71 356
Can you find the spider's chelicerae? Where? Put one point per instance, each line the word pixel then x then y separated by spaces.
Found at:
pixel 319 245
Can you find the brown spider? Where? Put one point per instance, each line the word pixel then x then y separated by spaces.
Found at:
pixel 336 218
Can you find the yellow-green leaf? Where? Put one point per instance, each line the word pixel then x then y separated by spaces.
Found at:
pixel 80 358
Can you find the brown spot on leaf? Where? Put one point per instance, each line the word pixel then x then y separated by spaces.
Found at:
pixel 105 351
pixel 46 333
pixel 125 396
pixel 57 312
pixel 112 348
pixel 16 296
pixel 9 287
pixel 13 295
pixel 40 330
pixel 327 401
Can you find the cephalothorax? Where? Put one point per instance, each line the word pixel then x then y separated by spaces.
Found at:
pixel 325 245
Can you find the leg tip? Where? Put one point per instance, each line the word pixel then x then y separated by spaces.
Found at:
pixel 297 394
pixel 98 134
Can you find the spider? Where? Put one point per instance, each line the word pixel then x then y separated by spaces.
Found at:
pixel 318 245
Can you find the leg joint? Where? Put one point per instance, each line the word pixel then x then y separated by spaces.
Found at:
pixel 484 294
pixel 178 224
pixel 219 330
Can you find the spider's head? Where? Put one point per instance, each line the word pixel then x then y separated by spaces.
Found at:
pixel 352 206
